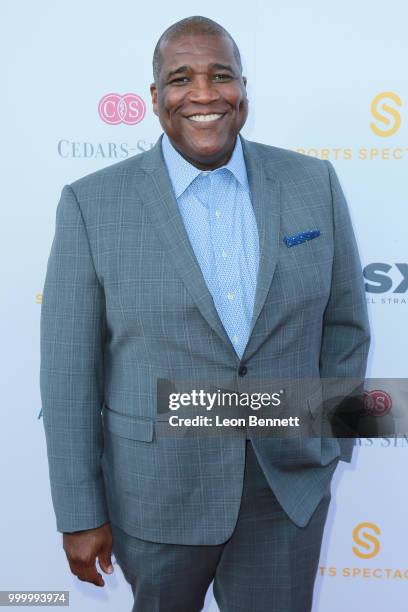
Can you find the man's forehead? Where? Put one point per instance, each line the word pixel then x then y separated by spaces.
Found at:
pixel 204 47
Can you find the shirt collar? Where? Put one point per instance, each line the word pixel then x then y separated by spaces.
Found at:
pixel 182 173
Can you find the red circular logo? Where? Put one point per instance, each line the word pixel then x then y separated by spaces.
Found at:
pixel 377 403
pixel 114 108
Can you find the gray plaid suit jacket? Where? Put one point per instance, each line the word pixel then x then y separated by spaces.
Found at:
pixel 125 303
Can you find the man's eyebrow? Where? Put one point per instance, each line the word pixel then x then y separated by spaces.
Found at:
pixel 222 67
pixel 214 66
pixel 177 71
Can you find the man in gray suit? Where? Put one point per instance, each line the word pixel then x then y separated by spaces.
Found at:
pixel 213 257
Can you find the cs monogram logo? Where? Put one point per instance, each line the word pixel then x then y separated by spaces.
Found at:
pixel 114 108
pixel 377 403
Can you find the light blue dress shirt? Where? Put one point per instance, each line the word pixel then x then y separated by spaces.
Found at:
pixel 220 222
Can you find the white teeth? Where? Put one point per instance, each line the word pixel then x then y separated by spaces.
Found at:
pixel 205 117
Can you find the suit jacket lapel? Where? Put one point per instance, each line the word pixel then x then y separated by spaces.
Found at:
pixel 265 195
pixel 161 205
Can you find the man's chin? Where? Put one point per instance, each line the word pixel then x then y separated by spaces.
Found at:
pixel 207 150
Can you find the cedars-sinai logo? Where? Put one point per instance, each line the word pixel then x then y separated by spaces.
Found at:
pixel 377 403
pixel 128 108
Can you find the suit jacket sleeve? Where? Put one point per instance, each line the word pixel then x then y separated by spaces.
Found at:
pixel 72 334
pixel 345 334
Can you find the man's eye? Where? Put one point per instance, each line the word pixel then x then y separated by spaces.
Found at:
pixel 221 77
pixel 180 80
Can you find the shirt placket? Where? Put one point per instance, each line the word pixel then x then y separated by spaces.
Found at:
pixel 225 258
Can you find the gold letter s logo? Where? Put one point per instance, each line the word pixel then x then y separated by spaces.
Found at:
pixel 366 540
pixel 376 107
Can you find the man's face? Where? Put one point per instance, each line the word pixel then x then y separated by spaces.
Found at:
pixel 200 98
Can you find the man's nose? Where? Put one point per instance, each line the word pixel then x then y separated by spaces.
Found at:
pixel 203 91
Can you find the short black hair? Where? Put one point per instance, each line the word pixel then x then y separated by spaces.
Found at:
pixel 191 25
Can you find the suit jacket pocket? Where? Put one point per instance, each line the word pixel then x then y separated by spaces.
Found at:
pixel 126 426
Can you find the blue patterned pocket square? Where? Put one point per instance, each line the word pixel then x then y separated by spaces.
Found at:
pixel 295 239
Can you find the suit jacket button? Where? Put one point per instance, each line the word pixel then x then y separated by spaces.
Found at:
pixel 242 370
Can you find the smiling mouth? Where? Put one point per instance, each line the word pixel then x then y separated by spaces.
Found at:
pixel 203 118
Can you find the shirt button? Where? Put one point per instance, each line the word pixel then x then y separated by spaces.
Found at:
pixel 204 173
pixel 218 214
pixel 224 254
pixel 242 370
pixel 235 339
pixel 230 296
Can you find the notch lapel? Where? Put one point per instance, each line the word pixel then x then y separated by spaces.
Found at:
pixel 159 201
pixel 265 195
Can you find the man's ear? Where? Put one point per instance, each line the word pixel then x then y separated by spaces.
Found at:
pixel 153 92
